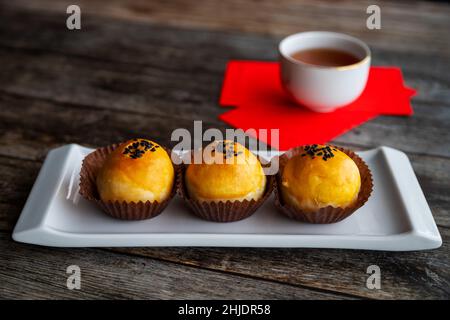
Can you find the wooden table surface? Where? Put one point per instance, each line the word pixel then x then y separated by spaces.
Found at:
pixel 144 68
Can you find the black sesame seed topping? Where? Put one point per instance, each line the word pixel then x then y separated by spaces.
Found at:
pixel 227 148
pixel 324 152
pixel 138 148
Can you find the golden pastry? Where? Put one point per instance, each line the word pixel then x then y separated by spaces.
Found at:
pixel 137 170
pixel 229 171
pixel 321 176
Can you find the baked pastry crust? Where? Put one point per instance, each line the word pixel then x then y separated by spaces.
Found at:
pixel 137 170
pixel 229 171
pixel 322 176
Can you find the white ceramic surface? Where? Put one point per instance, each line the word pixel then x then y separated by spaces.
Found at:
pixel 396 217
pixel 320 88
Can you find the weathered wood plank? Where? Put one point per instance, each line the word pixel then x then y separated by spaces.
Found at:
pixel 107 85
pixel 30 124
pixel 148 73
pixel 408 134
pixel 193 54
pixel 427 21
pixel 426 132
pixel 405 275
pixel 434 177
pixel 30 128
pixel 18 177
pixel 32 272
pixel 142 74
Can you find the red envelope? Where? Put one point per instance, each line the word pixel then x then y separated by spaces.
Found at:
pixel 255 90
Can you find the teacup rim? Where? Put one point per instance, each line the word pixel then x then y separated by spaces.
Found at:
pixel 359 42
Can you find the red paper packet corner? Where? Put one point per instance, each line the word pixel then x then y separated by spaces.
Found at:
pixel 254 89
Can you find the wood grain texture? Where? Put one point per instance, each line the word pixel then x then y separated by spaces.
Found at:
pixel 42 125
pixel 405 275
pixel 427 21
pixel 147 73
pixel 31 272
pixel 144 68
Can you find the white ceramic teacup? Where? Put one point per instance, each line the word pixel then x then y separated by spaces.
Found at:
pixel 323 88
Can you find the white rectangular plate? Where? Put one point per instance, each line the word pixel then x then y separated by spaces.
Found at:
pixel 396 217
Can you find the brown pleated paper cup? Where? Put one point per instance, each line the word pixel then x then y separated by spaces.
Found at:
pixel 118 209
pixel 221 211
pixel 327 214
